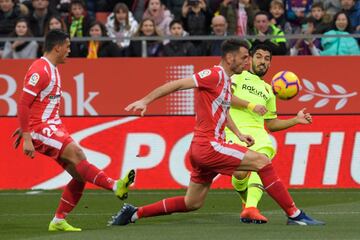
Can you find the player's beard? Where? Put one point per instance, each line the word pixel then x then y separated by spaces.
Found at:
pixel 237 69
pixel 260 72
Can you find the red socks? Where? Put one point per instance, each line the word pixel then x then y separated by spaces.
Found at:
pixel 92 174
pixel 163 207
pixel 74 189
pixel 276 189
pixel 70 197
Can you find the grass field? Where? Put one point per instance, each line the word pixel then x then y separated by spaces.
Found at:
pixel 26 216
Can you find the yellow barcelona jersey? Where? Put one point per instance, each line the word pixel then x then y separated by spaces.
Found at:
pixel 252 88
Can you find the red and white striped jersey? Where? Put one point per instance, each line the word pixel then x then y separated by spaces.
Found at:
pixel 43 81
pixel 212 104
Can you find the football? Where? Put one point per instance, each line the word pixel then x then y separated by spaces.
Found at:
pixel 285 85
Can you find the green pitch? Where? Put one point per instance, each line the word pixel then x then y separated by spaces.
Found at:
pixel 26 216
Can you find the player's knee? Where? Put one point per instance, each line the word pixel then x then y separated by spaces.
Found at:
pixel 80 154
pixel 194 205
pixel 240 174
pixel 261 161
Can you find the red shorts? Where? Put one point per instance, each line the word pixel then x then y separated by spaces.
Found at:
pixel 209 159
pixel 50 140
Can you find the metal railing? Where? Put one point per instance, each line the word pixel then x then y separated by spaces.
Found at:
pixel 144 39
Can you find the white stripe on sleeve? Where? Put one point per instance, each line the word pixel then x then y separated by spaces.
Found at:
pixel 29 91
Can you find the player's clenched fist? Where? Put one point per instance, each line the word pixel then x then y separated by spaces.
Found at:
pixel 249 140
pixel 260 109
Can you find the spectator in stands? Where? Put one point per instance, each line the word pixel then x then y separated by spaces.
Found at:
pixel 296 11
pixel 96 49
pixel 322 20
pixel 121 23
pixel 263 28
pixel 245 11
pixel 219 28
pixel 340 45
pixel 175 7
pixel 161 16
pixel 331 7
pixel 138 9
pixel 19 49
pixel 39 16
pixel 179 47
pixel 62 7
pixel 352 9
pixel 308 46
pixel 277 10
pixel 239 15
pixel 78 22
pixel 196 17
pixel 55 22
pixel 9 13
pixel 78 25
pixel 228 10
pixel 154 48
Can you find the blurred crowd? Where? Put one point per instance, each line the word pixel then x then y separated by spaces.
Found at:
pixel 178 18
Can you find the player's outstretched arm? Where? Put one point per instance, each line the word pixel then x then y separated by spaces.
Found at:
pixel 278 124
pixel 241 103
pixel 167 88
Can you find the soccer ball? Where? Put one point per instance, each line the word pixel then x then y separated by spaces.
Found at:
pixel 285 85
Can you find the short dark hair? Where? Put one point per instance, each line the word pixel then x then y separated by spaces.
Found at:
pixel 261 47
pixel 77 2
pixel 176 21
pixel 233 45
pixel 262 13
pixel 53 38
pixel 317 5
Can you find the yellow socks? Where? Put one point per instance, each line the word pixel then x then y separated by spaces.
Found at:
pixel 255 190
pixel 250 189
pixel 240 186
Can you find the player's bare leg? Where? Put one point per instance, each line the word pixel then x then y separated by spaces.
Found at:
pixel 74 155
pixel 193 200
pixel 254 161
pixel 82 172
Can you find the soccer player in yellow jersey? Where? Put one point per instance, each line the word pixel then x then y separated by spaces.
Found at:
pixel 251 116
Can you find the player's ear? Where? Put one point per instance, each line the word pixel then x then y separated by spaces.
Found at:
pixel 229 57
pixel 57 47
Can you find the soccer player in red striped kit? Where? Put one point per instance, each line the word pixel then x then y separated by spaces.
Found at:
pixel 210 155
pixel 43 132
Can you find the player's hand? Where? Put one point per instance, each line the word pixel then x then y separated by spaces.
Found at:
pixel 260 109
pixel 249 140
pixel 137 106
pixel 303 117
pixel 28 148
pixel 18 135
